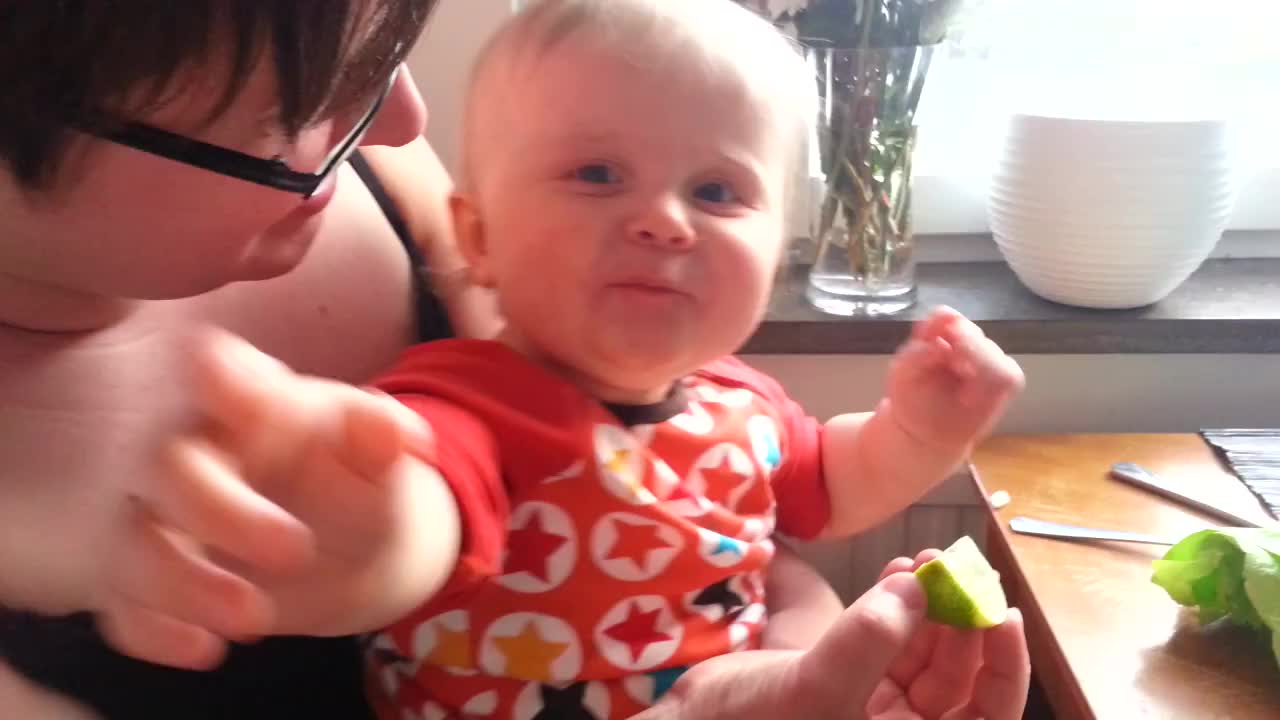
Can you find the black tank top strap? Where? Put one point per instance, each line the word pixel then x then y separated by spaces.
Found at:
pixel 433 321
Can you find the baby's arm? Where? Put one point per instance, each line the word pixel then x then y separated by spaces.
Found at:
pixel 801 603
pixel 874 469
pixel 297 505
pixel 947 387
pixel 443 521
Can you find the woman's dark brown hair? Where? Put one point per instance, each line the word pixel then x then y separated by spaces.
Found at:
pixel 61 58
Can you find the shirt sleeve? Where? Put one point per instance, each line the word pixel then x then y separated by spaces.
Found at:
pixel 804 507
pixel 799 488
pixel 466 456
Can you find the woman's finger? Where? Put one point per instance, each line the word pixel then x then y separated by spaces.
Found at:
pixel 895 566
pixel 947 680
pixel 925 556
pixel 870 635
pixel 920 651
pixel 1000 689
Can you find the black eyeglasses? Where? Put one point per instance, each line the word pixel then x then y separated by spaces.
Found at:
pixel 273 173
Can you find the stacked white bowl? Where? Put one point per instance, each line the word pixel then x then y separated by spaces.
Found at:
pixel 1110 213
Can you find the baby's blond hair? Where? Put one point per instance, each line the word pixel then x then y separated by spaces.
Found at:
pixel 718 39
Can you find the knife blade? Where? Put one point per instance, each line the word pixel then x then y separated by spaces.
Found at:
pixel 1143 478
pixel 1044 528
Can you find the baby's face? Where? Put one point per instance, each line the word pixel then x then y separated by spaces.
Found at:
pixel 631 217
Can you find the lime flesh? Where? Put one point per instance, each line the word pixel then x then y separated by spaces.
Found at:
pixel 963 589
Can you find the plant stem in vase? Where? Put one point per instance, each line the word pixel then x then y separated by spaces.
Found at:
pixel 865 136
pixel 869 59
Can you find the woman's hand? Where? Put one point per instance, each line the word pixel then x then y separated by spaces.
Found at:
pixel 882 660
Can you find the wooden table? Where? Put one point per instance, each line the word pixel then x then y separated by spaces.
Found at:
pixel 1106 642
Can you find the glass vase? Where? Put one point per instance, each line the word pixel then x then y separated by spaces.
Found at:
pixel 861 208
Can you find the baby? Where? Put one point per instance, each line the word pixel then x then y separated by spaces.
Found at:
pixel 594 511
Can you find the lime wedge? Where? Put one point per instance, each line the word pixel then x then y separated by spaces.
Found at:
pixel 962 587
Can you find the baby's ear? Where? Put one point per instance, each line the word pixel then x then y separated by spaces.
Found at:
pixel 469 228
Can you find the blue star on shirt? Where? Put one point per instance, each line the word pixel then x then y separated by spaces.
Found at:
pixel 765 440
pixel 664 679
pixel 727 544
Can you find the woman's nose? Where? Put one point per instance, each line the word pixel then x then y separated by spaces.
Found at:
pixel 402 117
pixel 663 222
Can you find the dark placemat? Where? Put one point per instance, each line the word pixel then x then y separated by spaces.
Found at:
pixel 1254 456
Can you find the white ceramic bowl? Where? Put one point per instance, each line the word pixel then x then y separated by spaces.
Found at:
pixel 1107 213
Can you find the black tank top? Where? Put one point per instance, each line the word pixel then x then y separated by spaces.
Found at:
pixel 433 321
pixel 276 679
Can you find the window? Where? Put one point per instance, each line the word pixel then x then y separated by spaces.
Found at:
pixel 1145 58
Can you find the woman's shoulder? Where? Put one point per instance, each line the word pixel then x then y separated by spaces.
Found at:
pixel 418 184
pixel 347 309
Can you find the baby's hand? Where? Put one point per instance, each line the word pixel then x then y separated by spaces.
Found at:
pixel 949 384
pixel 284 487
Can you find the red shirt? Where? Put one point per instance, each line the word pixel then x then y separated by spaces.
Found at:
pixel 605 549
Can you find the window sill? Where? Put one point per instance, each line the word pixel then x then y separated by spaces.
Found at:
pixel 1228 306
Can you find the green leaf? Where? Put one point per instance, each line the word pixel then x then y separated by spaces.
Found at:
pixel 1267 538
pixel 1233 595
pixel 1231 572
pixel 1188 582
pixel 1262 584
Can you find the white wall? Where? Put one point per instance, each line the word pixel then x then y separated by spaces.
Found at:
pixel 1073 393
pixel 440 62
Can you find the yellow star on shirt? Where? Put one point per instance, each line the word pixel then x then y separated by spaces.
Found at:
pixel 619 465
pixel 453 649
pixel 529 655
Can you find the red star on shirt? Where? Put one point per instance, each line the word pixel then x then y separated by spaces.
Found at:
pixel 529 547
pixel 721 480
pixel 638 631
pixel 635 541
pixel 680 492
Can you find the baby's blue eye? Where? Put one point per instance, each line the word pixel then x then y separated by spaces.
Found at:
pixel 596 174
pixel 715 192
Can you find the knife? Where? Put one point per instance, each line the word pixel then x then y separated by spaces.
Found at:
pixel 1044 528
pixel 1143 478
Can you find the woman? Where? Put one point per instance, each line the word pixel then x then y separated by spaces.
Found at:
pixel 118 234
pixel 108 253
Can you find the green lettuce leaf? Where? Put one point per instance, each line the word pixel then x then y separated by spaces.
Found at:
pixel 1231 572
